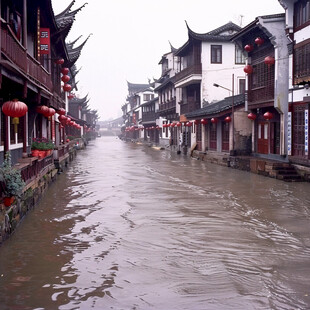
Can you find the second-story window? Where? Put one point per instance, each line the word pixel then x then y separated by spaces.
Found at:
pixel 148 97
pixel 302 13
pixel 216 54
pixel 241 86
pixel 239 57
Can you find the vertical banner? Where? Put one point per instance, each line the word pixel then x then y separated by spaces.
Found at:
pixel 53 131
pixel 38 33
pixel 44 41
pixel 289 133
pixel 306 131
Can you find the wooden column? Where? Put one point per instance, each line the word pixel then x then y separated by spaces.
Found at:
pixel 6 135
pixel 25 136
pixel 25 24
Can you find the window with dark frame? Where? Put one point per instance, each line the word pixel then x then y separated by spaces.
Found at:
pixel 241 86
pixel 216 54
pixel 302 13
pixel 301 63
pixel 239 56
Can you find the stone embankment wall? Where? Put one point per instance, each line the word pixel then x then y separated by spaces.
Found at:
pixel 11 216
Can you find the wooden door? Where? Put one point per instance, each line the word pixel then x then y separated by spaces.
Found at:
pixel 225 137
pixel 263 137
pixel 199 137
pixel 213 136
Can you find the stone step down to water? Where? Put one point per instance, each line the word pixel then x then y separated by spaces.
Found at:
pixel 287 173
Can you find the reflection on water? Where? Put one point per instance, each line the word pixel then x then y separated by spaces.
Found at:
pixel 130 227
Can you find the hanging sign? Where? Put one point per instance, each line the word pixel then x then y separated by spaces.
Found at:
pixel 306 131
pixel 289 133
pixel 53 131
pixel 44 41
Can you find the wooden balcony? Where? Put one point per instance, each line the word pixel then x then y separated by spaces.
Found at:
pixel 189 106
pixel 149 116
pixel 167 105
pixel 189 71
pixel 15 53
pixel 261 94
pixel 33 168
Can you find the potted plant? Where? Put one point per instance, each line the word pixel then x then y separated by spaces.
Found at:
pixel 11 179
pixel 41 147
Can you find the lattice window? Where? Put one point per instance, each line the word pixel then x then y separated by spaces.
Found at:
pixel 301 63
pixel 299 130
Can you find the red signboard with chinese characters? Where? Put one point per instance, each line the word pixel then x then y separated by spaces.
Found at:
pixel 44 41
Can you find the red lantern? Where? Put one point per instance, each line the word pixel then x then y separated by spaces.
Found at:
pixel 179 124
pixel 65 71
pixel 204 121
pixel 62 119
pixel 248 69
pixel 214 120
pixel 59 61
pixel 227 119
pixel 172 124
pixel 268 116
pixel 269 61
pixel 65 78
pixel 252 116
pixel 67 87
pixel 49 112
pixel 249 48
pixel 259 41
pixel 197 121
pixel 61 111
pixel 42 109
pixel 71 96
pixel 14 108
pixel 189 124
pixel 68 120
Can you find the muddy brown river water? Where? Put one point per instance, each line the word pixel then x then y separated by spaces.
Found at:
pixel 130 227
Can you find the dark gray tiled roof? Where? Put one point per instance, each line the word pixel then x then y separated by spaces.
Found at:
pixel 217 107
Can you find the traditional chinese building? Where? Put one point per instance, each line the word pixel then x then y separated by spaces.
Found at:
pixel 206 60
pixel 138 94
pixel 266 42
pixel 297 21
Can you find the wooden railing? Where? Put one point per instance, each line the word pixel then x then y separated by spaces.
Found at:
pixel 194 69
pixel 33 167
pixel 260 94
pixel 189 106
pixel 149 116
pixel 168 105
pixel 12 49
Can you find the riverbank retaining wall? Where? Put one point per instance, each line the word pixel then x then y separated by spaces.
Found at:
pixel 10 217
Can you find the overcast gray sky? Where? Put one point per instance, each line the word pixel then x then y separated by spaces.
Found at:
pixel 130 36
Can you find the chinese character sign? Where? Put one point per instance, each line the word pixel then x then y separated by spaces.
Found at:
pixel 44 41
pixel 289 133
pixel 306 132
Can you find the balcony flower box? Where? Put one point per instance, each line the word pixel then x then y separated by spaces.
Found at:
pixel 41 147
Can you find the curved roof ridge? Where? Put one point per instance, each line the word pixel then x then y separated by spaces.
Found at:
pixel 74 41
pixel 214 34
pixel 67 9
pixel 73 50
pixel 173 49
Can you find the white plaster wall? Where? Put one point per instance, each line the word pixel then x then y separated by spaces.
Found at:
pixel 302 34
pixel 279 39
pixel 219 73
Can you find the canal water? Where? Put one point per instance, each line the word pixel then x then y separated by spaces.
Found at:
pixel 131 227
